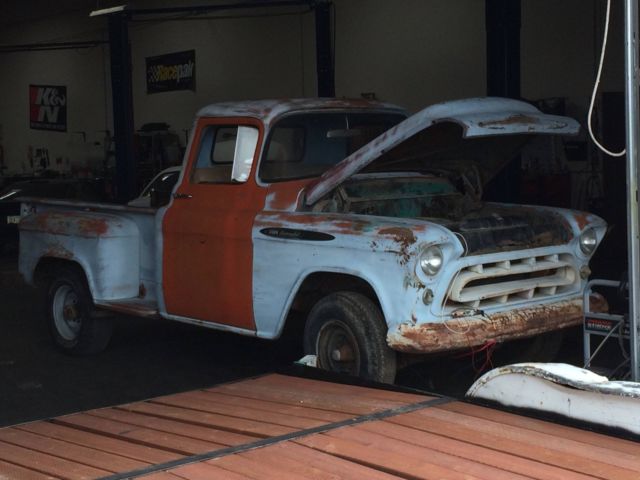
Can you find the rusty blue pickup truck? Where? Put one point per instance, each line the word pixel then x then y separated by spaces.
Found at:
pixel 364 223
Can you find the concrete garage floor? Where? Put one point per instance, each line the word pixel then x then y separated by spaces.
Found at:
pixel 148 358
pixel 144 359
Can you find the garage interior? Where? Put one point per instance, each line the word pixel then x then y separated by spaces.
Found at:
pixel 108 128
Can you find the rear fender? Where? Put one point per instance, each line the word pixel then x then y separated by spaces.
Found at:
pixel 107 248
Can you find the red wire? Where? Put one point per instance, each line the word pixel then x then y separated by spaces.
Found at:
pixel 488 348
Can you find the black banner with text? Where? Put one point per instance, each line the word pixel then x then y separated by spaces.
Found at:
pixel 173 71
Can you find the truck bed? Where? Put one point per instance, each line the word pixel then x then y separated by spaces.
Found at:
pixel 116 245
pixel 279 426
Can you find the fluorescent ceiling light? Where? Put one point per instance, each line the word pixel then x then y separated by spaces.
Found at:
pixel 9 195
pixel 108 11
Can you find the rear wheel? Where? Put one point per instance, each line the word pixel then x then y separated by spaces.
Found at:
pixel 74 326
pixel 347 333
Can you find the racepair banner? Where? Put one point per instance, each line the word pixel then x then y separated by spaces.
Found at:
pixel 173 71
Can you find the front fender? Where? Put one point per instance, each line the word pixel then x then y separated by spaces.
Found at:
pixel 381 251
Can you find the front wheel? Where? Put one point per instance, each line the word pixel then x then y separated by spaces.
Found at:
pixel 74 327
pixel 347 333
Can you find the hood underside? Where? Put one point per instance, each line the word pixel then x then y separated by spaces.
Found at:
pixel 481 132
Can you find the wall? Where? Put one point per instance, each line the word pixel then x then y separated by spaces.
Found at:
pixel 561 43
pixel 413 53
pixel 236 59
pixel 82 71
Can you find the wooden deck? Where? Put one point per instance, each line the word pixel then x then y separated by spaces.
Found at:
pixel 277 427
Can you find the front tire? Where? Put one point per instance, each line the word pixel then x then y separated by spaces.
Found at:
pixel 73 325
pixel 347 333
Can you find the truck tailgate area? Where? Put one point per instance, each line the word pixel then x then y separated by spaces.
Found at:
pixel 278 426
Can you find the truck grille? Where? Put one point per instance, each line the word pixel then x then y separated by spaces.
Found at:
pixel 512 281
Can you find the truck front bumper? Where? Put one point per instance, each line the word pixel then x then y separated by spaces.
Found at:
pixel 472 331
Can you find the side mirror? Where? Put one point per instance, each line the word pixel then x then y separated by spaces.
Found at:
pixel 246 143
pixel 159 198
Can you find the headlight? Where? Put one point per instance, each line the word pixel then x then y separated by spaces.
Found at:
pixel 588 241
pixel 431 260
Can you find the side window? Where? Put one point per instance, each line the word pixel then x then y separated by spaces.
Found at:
pixel 225 154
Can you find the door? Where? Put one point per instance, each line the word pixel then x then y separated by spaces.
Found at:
pixel 207 247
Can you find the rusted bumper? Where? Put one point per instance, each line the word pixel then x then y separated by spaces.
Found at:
pixel 473 331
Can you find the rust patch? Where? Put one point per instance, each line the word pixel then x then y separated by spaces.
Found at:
pixel 131 308
pixel 474 331
pixel 65 224
pixel 404 237
pixel 401 235
pixel 582 219
pixel 511 120
pixel 284 196
pixel 58 251
pixel 93 226
pixel 142 291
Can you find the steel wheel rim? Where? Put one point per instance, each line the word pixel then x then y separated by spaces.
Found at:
pixel 337 349
pixel 65 311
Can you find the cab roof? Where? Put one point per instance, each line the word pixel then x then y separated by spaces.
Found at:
pixel 269 110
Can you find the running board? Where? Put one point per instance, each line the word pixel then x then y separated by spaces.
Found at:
pixel 564 390
pixel 131 306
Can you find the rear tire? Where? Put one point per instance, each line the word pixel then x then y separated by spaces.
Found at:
pixel 73 325
pixel 347 333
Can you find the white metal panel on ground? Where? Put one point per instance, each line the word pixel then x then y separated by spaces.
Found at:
pixel 565 390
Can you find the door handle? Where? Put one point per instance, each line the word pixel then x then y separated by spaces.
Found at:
pixel 182 196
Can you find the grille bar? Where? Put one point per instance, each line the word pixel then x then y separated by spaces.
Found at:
pixel 510 281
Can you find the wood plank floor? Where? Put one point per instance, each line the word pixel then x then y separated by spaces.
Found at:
pixel 278 427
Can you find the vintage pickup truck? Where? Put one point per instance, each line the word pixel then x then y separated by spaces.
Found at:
pixel 344 214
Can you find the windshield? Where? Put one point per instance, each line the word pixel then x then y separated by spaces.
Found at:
pixel 308 144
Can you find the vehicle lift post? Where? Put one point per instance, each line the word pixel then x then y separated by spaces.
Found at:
pixel 632 112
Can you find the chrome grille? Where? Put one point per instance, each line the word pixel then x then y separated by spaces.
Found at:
pixel 512 281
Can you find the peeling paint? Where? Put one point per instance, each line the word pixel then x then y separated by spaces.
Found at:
pixel 58 251
pixel 476 330
pixel 411 281
pixel 510 120
pixel 80 224
pixel 268 111
pixel 465 113
pixel 284 196
pixel 582 219
pixel 404 237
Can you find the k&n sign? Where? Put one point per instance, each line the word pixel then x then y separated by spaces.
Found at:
pixel 48 107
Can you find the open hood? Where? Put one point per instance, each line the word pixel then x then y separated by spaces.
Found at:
pixel 453 135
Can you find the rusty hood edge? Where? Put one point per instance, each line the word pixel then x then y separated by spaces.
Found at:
pixel 488 116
